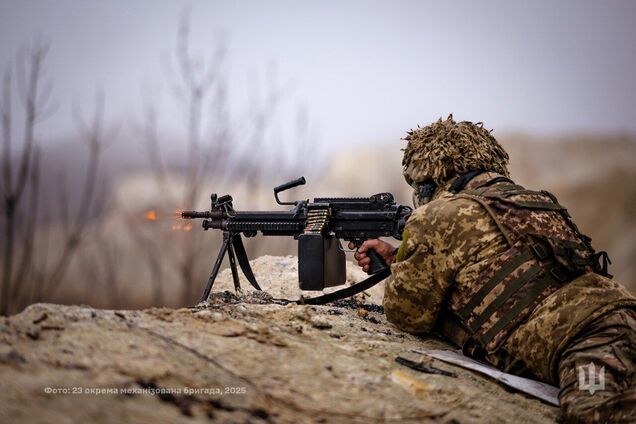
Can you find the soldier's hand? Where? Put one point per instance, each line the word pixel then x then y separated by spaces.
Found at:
pixel 382 248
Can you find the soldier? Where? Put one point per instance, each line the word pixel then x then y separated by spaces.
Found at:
pixel 504 273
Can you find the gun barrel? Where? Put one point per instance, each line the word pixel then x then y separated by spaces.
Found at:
pixel 195 214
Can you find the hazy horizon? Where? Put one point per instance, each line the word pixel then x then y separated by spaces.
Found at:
pixel 363 71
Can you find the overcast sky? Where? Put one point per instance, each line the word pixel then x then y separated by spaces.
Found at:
pixel 366 71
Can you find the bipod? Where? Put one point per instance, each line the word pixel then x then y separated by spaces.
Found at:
pixel 233 246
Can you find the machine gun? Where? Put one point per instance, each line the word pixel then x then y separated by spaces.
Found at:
pixel 318 225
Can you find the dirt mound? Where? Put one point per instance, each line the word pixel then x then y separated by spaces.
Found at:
pixel 236 359
pixel 278 276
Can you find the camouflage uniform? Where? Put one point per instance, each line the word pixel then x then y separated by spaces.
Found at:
pixel 453 244
pixel 610 343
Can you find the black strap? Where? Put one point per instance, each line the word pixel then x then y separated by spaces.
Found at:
pixel 495 181
pixel 346 292
pixel 244 263
pixel 483 188
pixel 464 179
pixel 601 260
pixel 536 205
pixel 520 192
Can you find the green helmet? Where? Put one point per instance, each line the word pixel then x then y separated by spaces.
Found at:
pixel 445 149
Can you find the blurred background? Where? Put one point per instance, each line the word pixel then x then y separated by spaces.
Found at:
pixel 117 114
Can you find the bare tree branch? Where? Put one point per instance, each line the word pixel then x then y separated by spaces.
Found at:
pixel 28 241
pixel 213 146
pixel 7 172
pixel 148 131
pixel 40 258
pixel 29 65
pixel 31 103
pixel 93 138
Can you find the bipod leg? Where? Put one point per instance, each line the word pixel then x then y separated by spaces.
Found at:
pixel 244 263
pixel 235 276
pixel 217 266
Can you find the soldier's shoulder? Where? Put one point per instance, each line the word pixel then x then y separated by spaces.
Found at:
pixel 446 207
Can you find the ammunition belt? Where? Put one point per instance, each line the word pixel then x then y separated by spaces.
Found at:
pixel 316 220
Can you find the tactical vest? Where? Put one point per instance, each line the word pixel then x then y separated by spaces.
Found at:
pixel 545 251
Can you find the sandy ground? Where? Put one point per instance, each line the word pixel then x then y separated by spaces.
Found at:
pixel 237 359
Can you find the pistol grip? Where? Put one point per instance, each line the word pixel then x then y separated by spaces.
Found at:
pixel 377 263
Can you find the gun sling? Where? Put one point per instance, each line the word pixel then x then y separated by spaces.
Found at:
pixel 347 292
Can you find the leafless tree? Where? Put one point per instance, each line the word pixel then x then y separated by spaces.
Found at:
pixel 93 135
pixel 16 176
pixel 194 85
pixel 24 279
pixel 215 147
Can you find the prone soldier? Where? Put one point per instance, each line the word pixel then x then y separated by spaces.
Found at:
pixel 504 273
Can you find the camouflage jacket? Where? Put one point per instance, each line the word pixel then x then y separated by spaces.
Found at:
pixel 447 244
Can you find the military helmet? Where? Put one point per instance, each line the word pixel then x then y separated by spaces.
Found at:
pixel 444 149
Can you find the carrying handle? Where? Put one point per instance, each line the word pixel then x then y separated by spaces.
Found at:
pixel 286 186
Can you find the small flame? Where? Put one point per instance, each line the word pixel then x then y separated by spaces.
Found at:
pixel 187 227
pixel 151 215
pixel 176 227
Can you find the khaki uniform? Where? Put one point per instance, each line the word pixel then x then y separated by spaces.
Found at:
pixel 449 244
